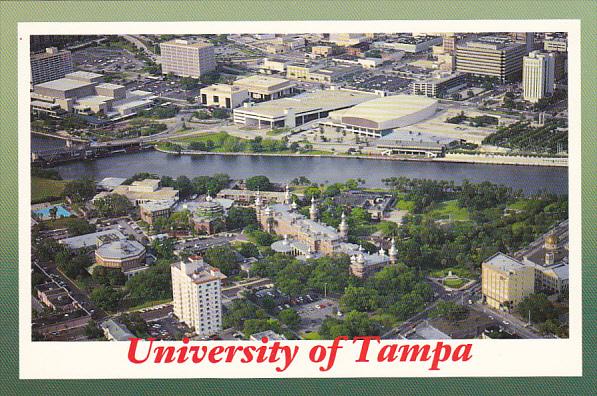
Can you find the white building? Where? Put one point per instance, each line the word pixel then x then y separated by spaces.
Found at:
pixel 538 74
pixel 197 293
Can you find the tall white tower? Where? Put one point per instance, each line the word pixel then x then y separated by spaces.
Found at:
pixel 538 75
pixel 313 211
pixel 343 228
pixel 258 206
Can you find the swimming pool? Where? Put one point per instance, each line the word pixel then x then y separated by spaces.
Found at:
pixel 44 213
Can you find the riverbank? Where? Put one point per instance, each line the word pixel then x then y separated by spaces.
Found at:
pixel 51 135
pixel 459 158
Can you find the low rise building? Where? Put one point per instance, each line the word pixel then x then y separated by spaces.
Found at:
pixel 378 117
pixel 124 254
pixel 274 65
pixel 60 321
pixel 152 210
pixel 298 110
pixel 224 95
pixel 325 74
pixel 147 190
pixel 55 297
pixel 506 281
pixel 377 205
pixel 269 334
pixel 263 88
pixel 439 85
pixel 409 43
pixel 116 331
pixel 86 93
pixel 548 256
pixel 247 197
pixel 197 293
pixel 92 240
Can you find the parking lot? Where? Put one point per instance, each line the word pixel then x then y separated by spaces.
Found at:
pixel 168 328
pixel 165 89
pixel 314 313
pixel 101 60
pixel 371 81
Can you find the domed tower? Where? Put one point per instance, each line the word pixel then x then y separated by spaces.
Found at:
pixel 294 205
pixel 208 198
pixel 287 195
pixel 392 252
pixel 343 228
pixel 382 252
pixel 313 211
pixel 551 242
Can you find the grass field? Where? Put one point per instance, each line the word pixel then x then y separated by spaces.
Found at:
pixel 312 336
pixel 43 190
pixel 455 283
pixel 404 204
pixel 450 210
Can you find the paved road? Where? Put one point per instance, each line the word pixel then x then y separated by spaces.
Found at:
pixel 514 325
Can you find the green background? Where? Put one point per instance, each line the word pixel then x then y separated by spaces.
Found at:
pixel 104 11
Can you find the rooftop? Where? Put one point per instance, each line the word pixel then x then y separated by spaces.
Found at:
pixel 90 240
pixel 63 84
pixel 387 108
pixel 270 334
pixel 186 43
pixel 109 86
pixel 324 100
pixel 117 330
pixel 223 88
pixel 503 262
pixel 83 75
pixel 261 81
pixel 120 250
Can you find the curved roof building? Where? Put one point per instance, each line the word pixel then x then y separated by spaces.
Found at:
pixel 378 117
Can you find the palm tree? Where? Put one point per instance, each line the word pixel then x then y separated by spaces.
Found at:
pixel 52 212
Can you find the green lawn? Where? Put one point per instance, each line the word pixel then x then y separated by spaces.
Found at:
pixel 462 272
pixel 43 190
pixel 312 336
pixel 454 283
pixel 521 204
pixel 450 210
pixel 404 204
pixel 202 137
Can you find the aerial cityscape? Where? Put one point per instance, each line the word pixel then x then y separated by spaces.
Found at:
pixel 299 186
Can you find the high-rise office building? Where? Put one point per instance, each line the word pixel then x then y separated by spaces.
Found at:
pixel 187 59
pixel 538 74
pixel 197 292
pixel 50 65
pixel 496 57
pixel 449 43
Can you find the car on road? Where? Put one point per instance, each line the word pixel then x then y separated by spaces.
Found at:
pixel 506 322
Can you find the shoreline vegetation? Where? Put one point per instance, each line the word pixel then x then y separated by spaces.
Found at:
pixel 490 159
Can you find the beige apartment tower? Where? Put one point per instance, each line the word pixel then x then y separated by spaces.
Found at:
pixel 538 75
pixel 187 59
pixel 506 281
pixel 50 65
pixel 197 295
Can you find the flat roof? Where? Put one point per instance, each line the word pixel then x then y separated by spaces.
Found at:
pixel 224 88
pixel 503 262
pixel 325 100
pixel 261 81
pixel 89 240
pixel 93 99
pixel 387 108
pixel 64 84
pixel 109 86
pixel 186 43
pixel 83 74
pixel 416 137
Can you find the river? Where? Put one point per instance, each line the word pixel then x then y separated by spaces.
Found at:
pixel 530 179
